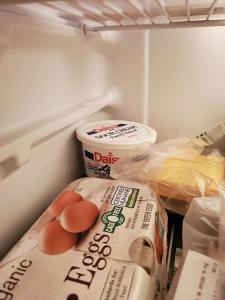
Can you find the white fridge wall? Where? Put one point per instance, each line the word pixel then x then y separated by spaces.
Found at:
pixel 52 77
pixel 129 71
pixel 187 82
pixel 46 69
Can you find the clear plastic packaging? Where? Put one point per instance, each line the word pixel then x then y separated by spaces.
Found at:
pixel 204 232
pixel 201 227
pixel 178 170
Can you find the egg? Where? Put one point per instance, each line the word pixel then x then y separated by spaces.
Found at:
pixel 53 239
pixel 65 198
pixel 79 216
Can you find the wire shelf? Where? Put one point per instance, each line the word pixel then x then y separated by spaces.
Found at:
pixel 105 15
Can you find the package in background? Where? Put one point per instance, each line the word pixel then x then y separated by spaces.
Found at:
pixel 201 226
pixel 198 278
pixel 178 169
pixel 121 257
pixel 200 246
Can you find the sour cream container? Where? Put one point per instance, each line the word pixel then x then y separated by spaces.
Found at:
pixel 105 142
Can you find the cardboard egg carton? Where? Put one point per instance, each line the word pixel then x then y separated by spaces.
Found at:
pixel 121 257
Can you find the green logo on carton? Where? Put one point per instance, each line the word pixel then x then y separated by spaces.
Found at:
pixel 112 219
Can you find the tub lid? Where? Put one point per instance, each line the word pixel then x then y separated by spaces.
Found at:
pixel 116 133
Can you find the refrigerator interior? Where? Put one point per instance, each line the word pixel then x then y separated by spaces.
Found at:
pixel 55 76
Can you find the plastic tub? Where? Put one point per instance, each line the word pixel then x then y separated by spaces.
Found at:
pixel 106 142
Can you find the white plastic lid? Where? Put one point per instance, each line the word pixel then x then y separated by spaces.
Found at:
pixel 116 133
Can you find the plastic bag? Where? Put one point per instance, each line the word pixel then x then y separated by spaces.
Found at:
pixel 201 227
pixel 176 168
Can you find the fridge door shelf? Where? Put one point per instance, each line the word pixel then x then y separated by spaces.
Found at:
pixel 105 15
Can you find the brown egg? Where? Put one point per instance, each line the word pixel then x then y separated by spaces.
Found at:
pixel 78 217
pixel 67 197
pixel 53 239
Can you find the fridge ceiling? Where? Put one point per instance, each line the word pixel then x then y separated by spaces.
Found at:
pixel 102 15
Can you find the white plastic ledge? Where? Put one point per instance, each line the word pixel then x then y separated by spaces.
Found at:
pixel 16 144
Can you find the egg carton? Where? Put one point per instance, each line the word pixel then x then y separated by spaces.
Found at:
pixel 122 256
